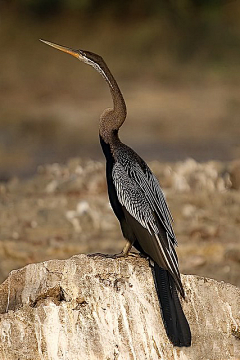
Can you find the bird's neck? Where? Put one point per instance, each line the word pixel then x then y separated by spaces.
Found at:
pixel 112 119
pixel 119 106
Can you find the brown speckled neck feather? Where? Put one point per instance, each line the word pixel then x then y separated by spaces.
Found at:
pixel 112 118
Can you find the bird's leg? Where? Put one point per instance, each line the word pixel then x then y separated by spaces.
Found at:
pixel 125 251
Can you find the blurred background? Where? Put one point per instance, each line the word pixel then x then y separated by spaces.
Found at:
pixel 177 64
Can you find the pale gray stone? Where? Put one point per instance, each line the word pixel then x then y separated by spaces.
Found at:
pixel 98 308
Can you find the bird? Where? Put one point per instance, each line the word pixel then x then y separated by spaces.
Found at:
pixel 140 205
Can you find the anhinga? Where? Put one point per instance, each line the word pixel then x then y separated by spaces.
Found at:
pixel 140 206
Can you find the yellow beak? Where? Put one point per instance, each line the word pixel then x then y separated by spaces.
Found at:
pixel 63 48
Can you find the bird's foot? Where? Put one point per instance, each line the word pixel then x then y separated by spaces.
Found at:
pixel 95 254
pixel 133 254
pixel 121 255
pixel 115 256
pixel 112 256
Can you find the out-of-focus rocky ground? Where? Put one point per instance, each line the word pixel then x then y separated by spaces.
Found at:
pixel 64 210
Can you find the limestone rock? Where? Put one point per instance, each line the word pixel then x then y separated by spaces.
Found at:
pixel 98 308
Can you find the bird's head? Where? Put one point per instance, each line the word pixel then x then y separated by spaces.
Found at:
pixel 111 119
pixel 82 55
pixel 87 57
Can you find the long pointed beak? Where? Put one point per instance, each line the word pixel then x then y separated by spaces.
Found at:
pixel 63 48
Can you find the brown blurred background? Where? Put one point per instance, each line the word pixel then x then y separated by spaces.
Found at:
pixel 178 66
pixel 177 63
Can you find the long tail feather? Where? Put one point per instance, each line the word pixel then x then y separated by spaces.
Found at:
pixel 175 322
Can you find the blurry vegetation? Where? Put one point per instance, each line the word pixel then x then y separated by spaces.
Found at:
pixel 174 8
pixel 191 28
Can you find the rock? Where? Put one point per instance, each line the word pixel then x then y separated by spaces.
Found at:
pixel 93 307
pixel 190 175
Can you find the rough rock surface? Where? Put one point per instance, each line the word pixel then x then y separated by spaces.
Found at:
pixel 104 308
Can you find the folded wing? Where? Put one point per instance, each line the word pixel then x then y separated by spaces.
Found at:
pixel 141 197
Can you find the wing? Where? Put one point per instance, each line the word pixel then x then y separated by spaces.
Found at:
pixel 155 196
pixel 147 213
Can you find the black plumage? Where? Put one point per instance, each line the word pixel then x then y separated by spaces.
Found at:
pixel 140 206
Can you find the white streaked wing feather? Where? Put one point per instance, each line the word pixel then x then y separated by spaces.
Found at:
pixel 154 194
pixel 141 207
pixel 133 199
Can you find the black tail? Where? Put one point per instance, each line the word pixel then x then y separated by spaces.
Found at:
pixel 174 320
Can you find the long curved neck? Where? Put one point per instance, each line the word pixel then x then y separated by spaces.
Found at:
pixel 112 119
